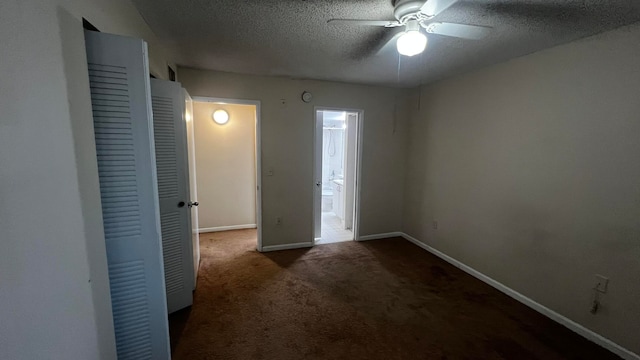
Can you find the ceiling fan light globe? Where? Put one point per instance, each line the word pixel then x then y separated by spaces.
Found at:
pixel 411 43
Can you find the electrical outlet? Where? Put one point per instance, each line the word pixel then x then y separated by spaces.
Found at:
pixel 278 220
pixel 434 224
pixel 602 283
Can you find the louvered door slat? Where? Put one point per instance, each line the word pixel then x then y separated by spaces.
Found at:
pixel 126 169
pixel 171 162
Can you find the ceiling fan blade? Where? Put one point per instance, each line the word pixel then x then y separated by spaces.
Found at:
pixel 471 32
pixel 390 44
pixel 383 23
pixel 373 44
pixel 432 8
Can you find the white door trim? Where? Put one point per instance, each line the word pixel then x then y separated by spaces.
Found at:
pixel 359 142
pixel 258 153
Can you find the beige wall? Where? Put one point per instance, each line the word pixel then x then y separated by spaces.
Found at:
pixel 532 170
pixel 54 285
pixel 530 167
pixel 225 165
pixel 287 147
pixel 122 18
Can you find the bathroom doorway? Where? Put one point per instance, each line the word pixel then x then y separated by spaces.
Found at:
pixel 337 135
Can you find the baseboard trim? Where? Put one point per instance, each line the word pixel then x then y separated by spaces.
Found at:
pixel 286 246
pixel 572 325
pixel 379 236
pixel 226 228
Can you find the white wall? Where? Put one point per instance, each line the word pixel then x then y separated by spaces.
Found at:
pixel 53 281
pixel 225 165
pixel 531 168
pixel 333 139
pixel 287 147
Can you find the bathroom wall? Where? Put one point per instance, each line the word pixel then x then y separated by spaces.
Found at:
pixel 333 143
pixel 225 166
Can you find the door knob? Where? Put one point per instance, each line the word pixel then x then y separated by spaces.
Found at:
pixel 318 183
pixel 192 204
pixel 181 204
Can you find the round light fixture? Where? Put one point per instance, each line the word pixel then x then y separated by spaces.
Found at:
pixel 221 116
pixel 412 42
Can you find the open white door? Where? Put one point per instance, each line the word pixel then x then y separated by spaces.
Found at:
pixel 193 189
pixel 172 163
pixel 120 96
pixel 350 169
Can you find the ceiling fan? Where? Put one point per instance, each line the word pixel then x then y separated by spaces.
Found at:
pixel 416 14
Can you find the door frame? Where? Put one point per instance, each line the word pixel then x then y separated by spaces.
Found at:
pixel 358 179
pixel 258 153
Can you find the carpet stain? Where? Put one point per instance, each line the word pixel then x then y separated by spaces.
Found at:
pixel 476 298
pixel 440 273
pixel 383 299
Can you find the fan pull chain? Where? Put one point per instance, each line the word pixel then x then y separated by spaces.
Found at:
pixel 399 61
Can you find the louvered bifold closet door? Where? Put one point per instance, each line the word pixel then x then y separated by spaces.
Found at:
pixel 170 130
pixel 120 96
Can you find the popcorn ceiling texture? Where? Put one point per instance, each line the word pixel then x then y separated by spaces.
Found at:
pixel 292 38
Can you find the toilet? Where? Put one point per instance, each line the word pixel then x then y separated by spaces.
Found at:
pixel 327 199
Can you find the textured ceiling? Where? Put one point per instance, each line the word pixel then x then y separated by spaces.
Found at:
pixel 292 38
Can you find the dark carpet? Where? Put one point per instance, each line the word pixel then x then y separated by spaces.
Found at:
pixel 382 299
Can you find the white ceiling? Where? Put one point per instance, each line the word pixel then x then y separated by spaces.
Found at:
pixel 292 38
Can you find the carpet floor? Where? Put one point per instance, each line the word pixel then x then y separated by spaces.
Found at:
pixel 383 299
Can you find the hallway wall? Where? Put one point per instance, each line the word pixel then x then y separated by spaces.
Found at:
pixel 287 147
pixel 225 166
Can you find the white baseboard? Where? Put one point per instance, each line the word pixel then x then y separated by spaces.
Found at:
pixel 572 325
pixel 286 246
pixel 226 228
pixel 380 236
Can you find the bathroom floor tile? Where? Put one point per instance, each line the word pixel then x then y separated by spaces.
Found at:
pixel 332 229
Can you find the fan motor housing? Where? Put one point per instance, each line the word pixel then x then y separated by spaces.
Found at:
pixel 404 8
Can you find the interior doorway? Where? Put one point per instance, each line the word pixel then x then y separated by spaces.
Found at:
pixel 337 154
pixel 227 152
